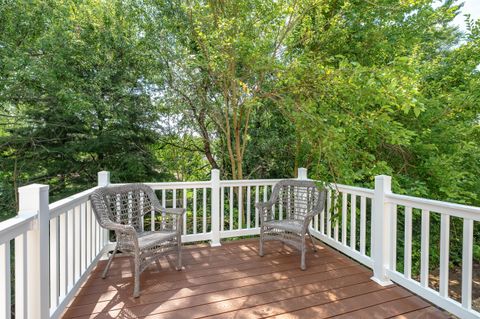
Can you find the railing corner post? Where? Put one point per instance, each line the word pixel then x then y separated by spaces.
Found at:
pixel 381 234
pixel 215 185
pixel 34 198
pixel 103 178
pixel 302 173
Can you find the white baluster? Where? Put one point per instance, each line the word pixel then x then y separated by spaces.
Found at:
pixel 186 212
pixel 257 195
pixel 353 221
pixel 363 224
pixel 467 260
pixel 5 288
pixel 248 206
pixel 194 210
pixel 215 214
pixel 344 218
pixel 444 253
pixel 408 243
pixel 424 256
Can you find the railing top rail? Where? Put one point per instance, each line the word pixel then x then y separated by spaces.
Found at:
pixel 179 185
pixel 353 189
pixel 201 184
pixel 173 185
pixel 458 210
pixel 15 226
pixel 248 182
pixel 58 207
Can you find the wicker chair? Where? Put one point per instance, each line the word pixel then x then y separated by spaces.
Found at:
pixel 298 201
pixel 121 209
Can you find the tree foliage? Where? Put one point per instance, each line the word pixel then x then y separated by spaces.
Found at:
pixel 74 95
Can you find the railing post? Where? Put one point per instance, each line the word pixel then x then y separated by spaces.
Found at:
pixel 103 178
pixel 215 181
pixel 302 173
pixel 35 198
pixel 381 234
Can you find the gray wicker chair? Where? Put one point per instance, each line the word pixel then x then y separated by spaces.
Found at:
pixel 121 209
pixel 298 201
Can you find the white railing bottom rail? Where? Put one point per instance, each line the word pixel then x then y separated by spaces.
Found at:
pixel 55 246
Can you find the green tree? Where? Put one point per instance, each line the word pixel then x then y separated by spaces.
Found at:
pixel 219 58
pixel 75 95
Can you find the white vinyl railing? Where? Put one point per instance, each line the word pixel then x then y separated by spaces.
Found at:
pixel 76 243
pixel 56 245
pixel 445 212
pixel 195 197
pixel 340 227
pixel 15 230
pixel 215 209
pixel 238 215
pixel 46 252
pixel 377 212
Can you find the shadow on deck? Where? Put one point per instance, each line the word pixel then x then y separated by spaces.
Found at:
pixel 232 281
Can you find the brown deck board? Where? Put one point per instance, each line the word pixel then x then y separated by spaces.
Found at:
pixel 388 309
pixel 232 281
pixel 425 313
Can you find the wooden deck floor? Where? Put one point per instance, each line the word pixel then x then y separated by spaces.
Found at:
pixel 232 281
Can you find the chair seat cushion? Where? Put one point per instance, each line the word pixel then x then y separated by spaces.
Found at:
pixel 290 225
pixel 154 238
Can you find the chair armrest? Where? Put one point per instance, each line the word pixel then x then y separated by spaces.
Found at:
pixel 175 221
pixel 178 212
pixel 127 229
pixel 264 209
pixel 309 217
pixel 262 205
pixel 126 234
pixel 175 211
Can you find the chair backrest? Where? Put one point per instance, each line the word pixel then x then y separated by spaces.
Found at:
pixel 124 204
pixel 298 199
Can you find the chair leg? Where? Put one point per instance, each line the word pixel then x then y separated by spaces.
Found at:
pixel 136 285
pixel 304 248
pixel 179 254
pixel 260 250
pixel 302 262
pixel 313 241
pixel 107 267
